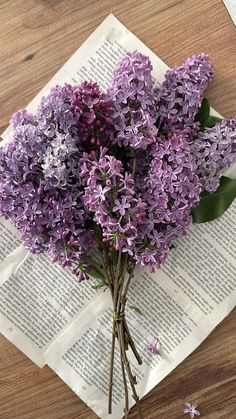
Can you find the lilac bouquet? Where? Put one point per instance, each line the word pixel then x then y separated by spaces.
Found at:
pixel 106 181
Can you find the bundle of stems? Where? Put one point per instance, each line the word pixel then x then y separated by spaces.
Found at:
pixel 118 278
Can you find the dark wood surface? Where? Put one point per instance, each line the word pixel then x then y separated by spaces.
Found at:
pixel 37 37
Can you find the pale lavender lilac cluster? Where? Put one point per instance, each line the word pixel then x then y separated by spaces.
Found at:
pixel 132 161
pixel 51 219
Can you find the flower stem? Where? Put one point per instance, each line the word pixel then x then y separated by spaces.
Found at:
pixel 132 379
pixel 120 330
pixel 118 266
pixel 126 409
pixel 125 361
pixel 131 343
pixel 111 367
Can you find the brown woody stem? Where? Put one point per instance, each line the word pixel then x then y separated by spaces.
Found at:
pixel 111 368
pixel 120 331
pixel 131 343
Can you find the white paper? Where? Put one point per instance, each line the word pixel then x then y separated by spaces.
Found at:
pixel 178 309
pixel 231 7
pixel 181 305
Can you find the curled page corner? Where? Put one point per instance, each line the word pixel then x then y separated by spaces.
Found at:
pixel 13 262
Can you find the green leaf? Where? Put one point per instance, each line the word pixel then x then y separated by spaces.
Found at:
pixel 203 113
pixel 136 309
pixel 203 116
pixel 213 205
pixel 212 120
pixel 100 280
pixel 95 273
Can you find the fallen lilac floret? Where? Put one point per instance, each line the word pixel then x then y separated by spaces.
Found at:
pixel 191 409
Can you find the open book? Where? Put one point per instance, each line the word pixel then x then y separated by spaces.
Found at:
pixel 56 321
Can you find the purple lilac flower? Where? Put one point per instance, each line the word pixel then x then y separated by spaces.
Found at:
pixel 181 93
pixel 94 110
pixel 50 220
pixel 75 118
pixel 214 149
pixel 40 186
pixel 88 157
pixel 154 348
pixel 170 189
pixel 54 113
pixel 191 409
pixel 109 193
pixel 61 159
pixel 23 117
pixel 133 94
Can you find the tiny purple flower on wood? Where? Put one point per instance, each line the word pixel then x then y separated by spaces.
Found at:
pixel 191 409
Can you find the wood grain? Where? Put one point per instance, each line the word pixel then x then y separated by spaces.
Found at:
pixel 37 37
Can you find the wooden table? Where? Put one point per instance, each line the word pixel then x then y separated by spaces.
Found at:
pixel 37 37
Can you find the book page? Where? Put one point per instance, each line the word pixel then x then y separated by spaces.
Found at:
pixel 182 312
pixel 181 304
pixel 231 8
pixel 38 299
pixel 38 302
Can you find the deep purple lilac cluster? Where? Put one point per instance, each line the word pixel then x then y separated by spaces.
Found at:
pixel 132 162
